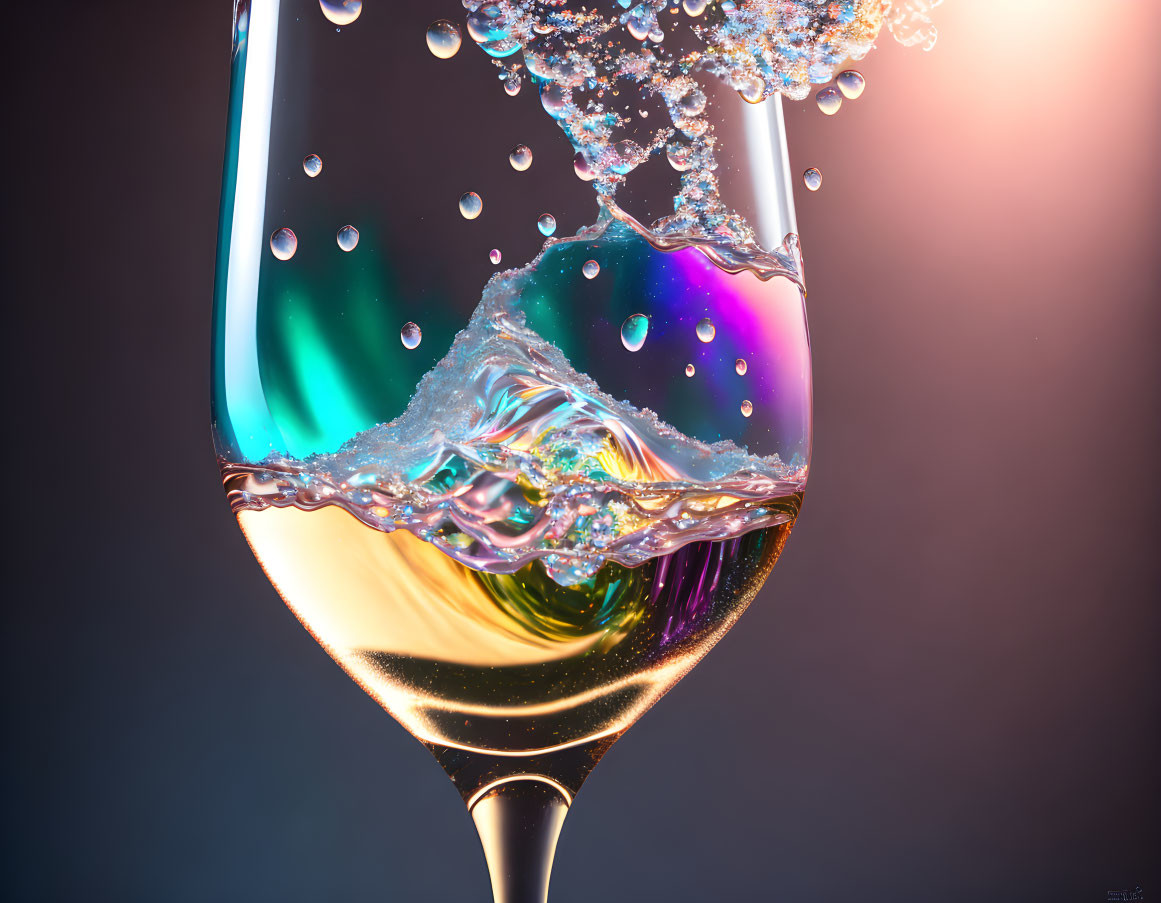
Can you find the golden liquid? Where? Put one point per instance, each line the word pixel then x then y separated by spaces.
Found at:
pixel 505 664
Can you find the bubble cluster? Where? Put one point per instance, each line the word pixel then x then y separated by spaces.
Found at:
pixel 312 165
pixel 471 205
pixel 283 244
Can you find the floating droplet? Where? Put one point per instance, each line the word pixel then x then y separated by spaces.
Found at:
pixel 706 329
pixel 747 409
pixel 546 224
pixel 851 83
pixel 829 100
pixel 812 179
pixel 347 237
pixel 443 39
pixel 590 269
pixel 554 99
pixel 283 244
pixel 471 205
pixel 520 157
pixel 494 255
pixel 341 12
pixel 689 370
pixel 512 85
pixel 740 366
pixel 693 103
pixel 694 7
pixel 491 28
pixel 410 335
pixel 680 156
pixel 583 168
pixel 312 165
pixel 633 331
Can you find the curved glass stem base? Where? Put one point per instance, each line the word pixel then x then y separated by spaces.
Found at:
pixel 519 821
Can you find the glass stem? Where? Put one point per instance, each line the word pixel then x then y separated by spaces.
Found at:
pixel 519 821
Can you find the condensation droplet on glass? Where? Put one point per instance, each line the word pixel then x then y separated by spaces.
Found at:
pixel 829 100
pixel 740 366
pixel 283 244
pixel 410 335
pixel 634 330
pixel 494 255
pixel 747 408
pixel 520 157
pixel 590 269
pixel 706 329
pixel 443 39
pixel 341 12
pixel 694 7
pixel 689 370
pixel 679 156
pixel 812 178
pixel 546 224
pixel 347 237
pixel 471 205
pixel 583 168
pixel 851 83
pixel 312 165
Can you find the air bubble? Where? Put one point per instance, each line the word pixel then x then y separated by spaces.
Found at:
pixel 347 237
pixel 829 100
pixel 494 255
pixel 312 165
pixel 851 83
pixel 706 330
pixel 520 157
pixel 546 224
pixel 590 269
pixel 690 370
pixel 747 408
pixel 341 12
pixel 740 366
pixel 633 331
pixel 410 335
pixel 283 244
pixel 812 178
pixel 471 205
pixel 443 39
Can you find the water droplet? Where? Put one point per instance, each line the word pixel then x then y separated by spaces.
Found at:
pixel 443 39
pixel 680 156
pixel 747 408
pixel 512 85
pixel 829 100
pixel 694 7
pixel 752 89
pixel 634 330
pixel 494 255
pixel 583 168
pixel 490 27
pixel 341 12
pixel 706 330
pixel 312 165
pixel 410 335
pixel 347 237
pixel 740 366
pixel 693 103
pixel 283 244
pixel 546 224
pixel 590 269
pixel 689 370
pixel 851 83
pixel 520 157
pixel 471 205
pixel 812 179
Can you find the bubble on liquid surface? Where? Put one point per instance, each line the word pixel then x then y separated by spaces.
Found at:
pixel 590 269
pixel 690 370
pixel 706 329
pixel 347 237
pixel 829 100
pixel 341 12
pixel 546 224
pixel 283 244
pixel 747 408
pixel 491 28
pixel 634 330
pixel 851 83
pixel 520 157
pixel 494 255
pixel 443 39
pixel 812 178
pixel 312 165
pixel 740 366
pixel 583 168
pixel 471 205
pixel 410 335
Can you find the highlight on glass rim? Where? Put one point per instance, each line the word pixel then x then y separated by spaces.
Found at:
pixel 518 501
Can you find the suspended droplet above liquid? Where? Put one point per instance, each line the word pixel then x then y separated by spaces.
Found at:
pixel 283 244
pixel 312 165
pixel 706 329
pixel 520 157
pixel 590 269
pixel 747 409
pixel 347 237
pixel 812 178
pixel 471 205
pixel 851 83
pixel 583 168
pixel 546 224
pixel 740 366
pixel 443 39
pixel 634 330
pixel 494 255
pixel 410 335
pixel 341 12
pixel 829 100
pixel 689 370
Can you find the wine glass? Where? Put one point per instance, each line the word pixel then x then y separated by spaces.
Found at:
pixel 511 377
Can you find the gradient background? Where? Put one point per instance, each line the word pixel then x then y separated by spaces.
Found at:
pixel 950 689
